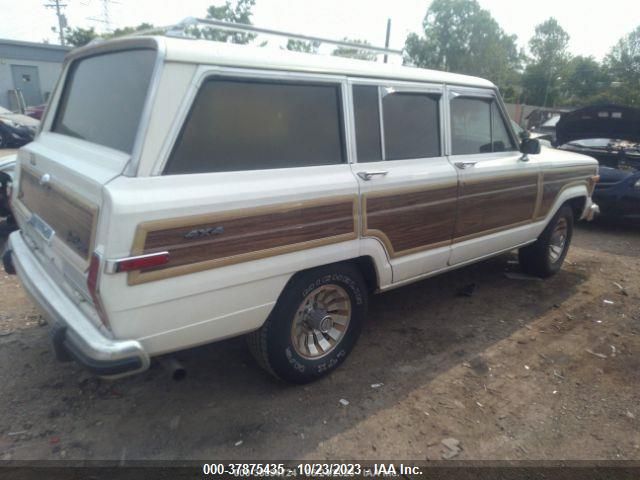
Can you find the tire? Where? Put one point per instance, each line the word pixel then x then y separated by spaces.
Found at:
pixel 544 258
pixel 331 299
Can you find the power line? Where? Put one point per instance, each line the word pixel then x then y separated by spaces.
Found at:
pixel 62 20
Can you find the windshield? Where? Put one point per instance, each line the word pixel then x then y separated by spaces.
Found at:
pixel 103 98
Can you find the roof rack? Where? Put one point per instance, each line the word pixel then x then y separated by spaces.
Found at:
pixel 179 30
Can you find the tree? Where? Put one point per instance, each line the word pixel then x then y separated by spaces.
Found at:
pixel 302 46
pixel 78 37
pixel 460 36
pixel 550 60
pixel 584 80
pixel 238 13
pixel 349 52
pixel 623 67
pixel 120 32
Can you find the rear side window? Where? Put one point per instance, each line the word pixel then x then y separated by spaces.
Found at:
pixel 367 122
pixel 411 125
pixel 103 98
pixel 239 125
pixel 477 126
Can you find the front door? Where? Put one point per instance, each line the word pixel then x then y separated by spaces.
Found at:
pixel 408 187
pixel 27 80
pixel 498 187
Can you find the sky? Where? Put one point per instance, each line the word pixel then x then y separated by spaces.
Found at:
pixel 593 25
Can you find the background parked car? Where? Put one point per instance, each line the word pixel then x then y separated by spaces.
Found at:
pixel 36 112
pixel 7 222
pixel 16 129
pixel 547 129
pixel 611 135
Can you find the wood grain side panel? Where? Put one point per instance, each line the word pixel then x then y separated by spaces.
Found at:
pixel 244 235
pixel 484 186
pixel 73 221
pixel 412 221
pixel 555 182
pixel 495 210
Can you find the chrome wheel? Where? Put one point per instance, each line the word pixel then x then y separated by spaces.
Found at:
pixel 558 240
pixel 321 321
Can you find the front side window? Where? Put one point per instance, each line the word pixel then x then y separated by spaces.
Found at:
pixel 103 98
pixel 478 127
pixel 411 125
pixel 502 141
pixel 238 124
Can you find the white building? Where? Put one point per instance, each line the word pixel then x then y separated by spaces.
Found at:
pixel 30 69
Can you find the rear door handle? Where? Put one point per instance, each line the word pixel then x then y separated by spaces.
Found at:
pixel 369 175
pixel 464 165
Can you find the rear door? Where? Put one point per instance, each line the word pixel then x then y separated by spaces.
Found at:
pixel 408 187
pixel 87 139
pixel 498 186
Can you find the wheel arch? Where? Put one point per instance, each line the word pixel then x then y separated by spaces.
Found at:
pixel 575 196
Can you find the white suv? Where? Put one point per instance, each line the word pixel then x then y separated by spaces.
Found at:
pixel 181 192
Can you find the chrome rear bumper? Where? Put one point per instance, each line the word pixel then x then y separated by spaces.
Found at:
pixel 74 335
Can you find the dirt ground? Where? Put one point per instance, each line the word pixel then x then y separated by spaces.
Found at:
pixel 521 369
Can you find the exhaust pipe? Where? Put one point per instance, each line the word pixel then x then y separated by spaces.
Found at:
pixel 175 369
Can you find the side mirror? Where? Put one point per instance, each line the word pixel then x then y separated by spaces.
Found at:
pixel 530 146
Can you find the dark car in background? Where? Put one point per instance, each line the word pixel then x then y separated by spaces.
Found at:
pixel 36 112
pixel 610 134
pixel 16 129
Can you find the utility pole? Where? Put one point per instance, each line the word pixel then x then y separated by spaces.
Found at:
pixel 62 20
pixel 386 42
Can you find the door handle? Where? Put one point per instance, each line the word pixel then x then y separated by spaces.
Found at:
pixel 463 165
pixel 369 175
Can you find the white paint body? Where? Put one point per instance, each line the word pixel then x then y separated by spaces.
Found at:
pixel 187 310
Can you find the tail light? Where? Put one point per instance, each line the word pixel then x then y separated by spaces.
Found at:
pixel 139 262
pixel 93 279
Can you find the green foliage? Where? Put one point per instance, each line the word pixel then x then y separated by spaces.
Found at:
pixel 240 12
pixel 119 32
pixel 584 82
pixel 623 67
pixel 543 78
pixel 460 36
pixel 302 46
pixel 354 52
pixel 78 37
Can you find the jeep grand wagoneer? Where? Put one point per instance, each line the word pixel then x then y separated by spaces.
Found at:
pixel 181 192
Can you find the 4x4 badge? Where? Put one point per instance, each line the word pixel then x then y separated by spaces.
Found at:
pixel 204 232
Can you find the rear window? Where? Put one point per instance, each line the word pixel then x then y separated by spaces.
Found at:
pixel 103 98
pixel 237 125
pixel 411 125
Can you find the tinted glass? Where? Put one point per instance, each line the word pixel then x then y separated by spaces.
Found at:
pixel 470 126
pixel 411 125
pixel 367 118
pixel 252 125
pixel 502 141
pixel 103 98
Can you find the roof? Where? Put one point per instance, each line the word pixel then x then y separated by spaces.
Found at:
pixel 219 53
pixel 20 43
pixel 209 52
